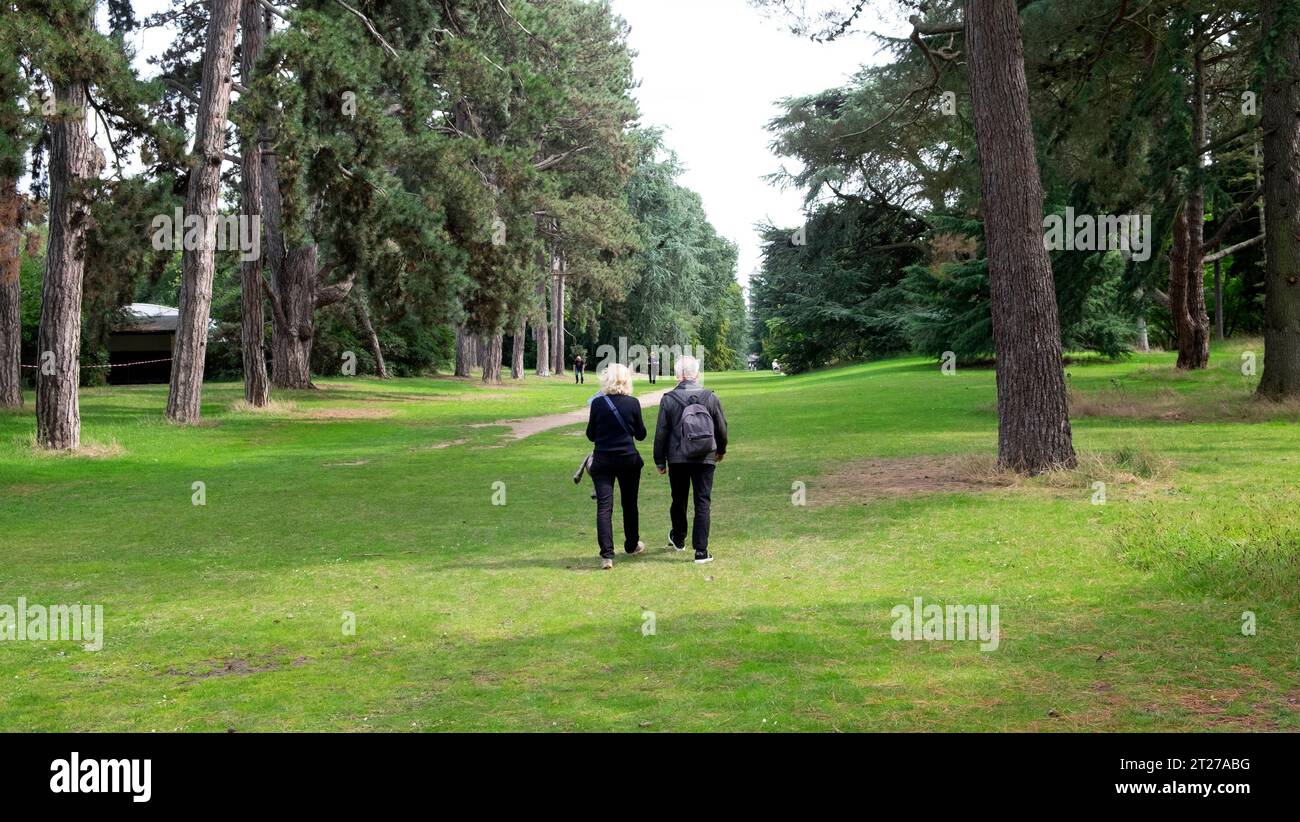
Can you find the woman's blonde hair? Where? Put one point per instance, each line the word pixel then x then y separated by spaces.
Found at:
pixel 616 379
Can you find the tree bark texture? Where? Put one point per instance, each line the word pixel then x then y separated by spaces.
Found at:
pixel 1194 333
pixel 198 265
pixel 558 342
pixel 466 352
pixel 257 383
pixel 74 159
pixel 1278 106
pixel 542 332
pixel 11 330
pixel 517 348
pixel 492 355
pixel 372 337
pixel 1033 421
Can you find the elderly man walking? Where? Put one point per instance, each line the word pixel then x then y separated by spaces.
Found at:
pixel 690 440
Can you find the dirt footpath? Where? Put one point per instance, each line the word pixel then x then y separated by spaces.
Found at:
pixel 520 429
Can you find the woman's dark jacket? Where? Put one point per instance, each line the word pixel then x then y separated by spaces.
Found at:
pixel 603 428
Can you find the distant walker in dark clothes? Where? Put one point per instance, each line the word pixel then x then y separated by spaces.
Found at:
pixel 654 365
pixel 614 426
pixel 579 369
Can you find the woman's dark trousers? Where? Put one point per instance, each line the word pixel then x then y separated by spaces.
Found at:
pixel 626 471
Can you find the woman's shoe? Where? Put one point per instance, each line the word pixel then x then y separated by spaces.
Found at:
pixel 606 563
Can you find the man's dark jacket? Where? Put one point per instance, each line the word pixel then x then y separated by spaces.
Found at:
pixel 668 450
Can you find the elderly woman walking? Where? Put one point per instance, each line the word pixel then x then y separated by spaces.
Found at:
pixel 614 426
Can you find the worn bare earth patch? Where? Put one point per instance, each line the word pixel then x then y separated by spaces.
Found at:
pixel 1236 709
pixel 235 666
pixel 866 480
pixel 437 446
pixel 327 414
pixel 1134 470
pixel 1168 405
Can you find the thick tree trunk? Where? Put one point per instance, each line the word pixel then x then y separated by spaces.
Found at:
pixel 1143 340
pixel 1179 301
pixel 295 294
pixel 73 160
pixel 558 341
pixel 296 290
pixel 466 352
pixel 1194 349
pixel 517 348
pixel 492 354
pixel 257 384
pixel 557 359
pixel 363 314
pixel 199 264
pixel 294 309
pixel 1218 301
pixel 1033 422
pixel 1279 103
pixel 560 333
pixel 11 331
pixel 289 284
pixel 276 260
pixel 542 333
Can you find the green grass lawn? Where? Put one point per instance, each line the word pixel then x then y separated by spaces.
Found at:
pixel 376 499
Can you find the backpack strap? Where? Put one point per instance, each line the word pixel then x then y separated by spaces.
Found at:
pixel 682 401
pixel 621 422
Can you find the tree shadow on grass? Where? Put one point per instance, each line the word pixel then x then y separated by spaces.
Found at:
pixel 586 562
pixel 1146 663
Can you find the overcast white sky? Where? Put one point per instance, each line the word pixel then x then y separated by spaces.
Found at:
pixel 710 73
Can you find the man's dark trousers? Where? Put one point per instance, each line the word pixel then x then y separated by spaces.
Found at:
pixel 695 478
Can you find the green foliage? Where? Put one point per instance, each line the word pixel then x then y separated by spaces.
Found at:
pixel 1111 109
pixel 836 297
pixel 722 331
pixel 683 266
pixel 119 254
pixel 360 172
pixel 400 167
pixel 1100 322
pixel 950 310
pixel 31 272
pixel 674 281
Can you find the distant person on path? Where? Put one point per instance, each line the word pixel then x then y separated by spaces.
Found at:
pixel 690 440
pixel 654 365
pixel 579 370
pixel 614 425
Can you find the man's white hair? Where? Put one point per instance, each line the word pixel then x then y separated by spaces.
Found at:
pixel 687 368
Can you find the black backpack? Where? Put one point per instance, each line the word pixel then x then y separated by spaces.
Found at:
pixel 695 430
